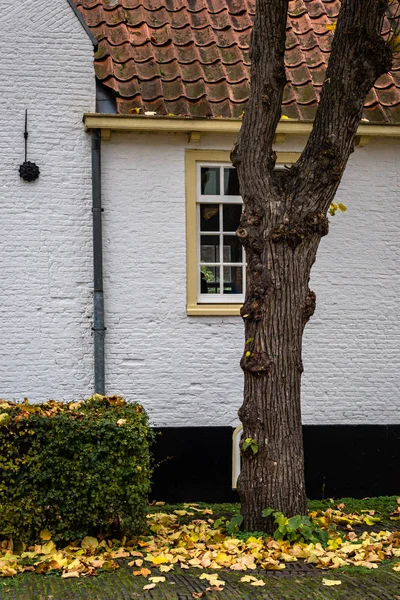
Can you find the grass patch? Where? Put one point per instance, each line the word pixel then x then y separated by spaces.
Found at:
pixel 383 505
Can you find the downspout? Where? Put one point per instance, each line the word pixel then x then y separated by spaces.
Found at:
pixel 98 292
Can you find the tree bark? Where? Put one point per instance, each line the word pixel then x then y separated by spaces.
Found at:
pixel 283 220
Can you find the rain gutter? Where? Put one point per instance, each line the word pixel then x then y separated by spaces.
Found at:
pixel 98 293
pixel 157 124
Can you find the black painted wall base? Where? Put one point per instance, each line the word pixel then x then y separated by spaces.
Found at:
pixel 195 463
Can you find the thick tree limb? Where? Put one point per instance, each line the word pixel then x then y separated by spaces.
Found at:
pixel 358 58
pixel 268 80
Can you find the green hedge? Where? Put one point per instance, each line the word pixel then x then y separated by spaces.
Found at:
pixel 75 469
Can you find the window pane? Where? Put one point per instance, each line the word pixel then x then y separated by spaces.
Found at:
pixel 209 280
pixel 210 181
pixel 231 216
pixel 231 182
pixel 209 249
pixel 232 249
pixel 233 280
pixel 209 217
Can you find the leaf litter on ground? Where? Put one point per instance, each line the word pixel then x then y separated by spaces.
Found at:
pixel 204 543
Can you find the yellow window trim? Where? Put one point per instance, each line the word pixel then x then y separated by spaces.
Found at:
pixel 193 308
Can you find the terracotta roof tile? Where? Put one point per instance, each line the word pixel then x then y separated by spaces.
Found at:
pixel 191 57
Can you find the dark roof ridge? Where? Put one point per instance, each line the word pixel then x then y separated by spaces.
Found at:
pixel 82 21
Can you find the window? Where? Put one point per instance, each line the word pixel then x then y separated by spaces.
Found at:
pixel 216 263
pixel 220 256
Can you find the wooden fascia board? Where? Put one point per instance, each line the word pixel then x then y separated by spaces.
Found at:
pixel 142 124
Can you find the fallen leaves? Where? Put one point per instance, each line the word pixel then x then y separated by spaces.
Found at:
pixel 252 580
pixel 149 586
pixel 45 535
pixel 89 543
pixel 213 580
pixel 143 572
pixel 68 574
pixel 189 538
pixel 330 582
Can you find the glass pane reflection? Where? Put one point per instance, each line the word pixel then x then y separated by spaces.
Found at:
pixel 210 184
pixel 209 279
pixel 209 249
pixel 232 249
pixel 209 217
pixel 233 280
pixel 231 216
pixel 231 182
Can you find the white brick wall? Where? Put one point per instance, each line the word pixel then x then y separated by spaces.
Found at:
pixel 46 66
pixel 186 369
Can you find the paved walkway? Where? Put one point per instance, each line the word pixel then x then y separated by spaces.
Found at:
pixel 297 582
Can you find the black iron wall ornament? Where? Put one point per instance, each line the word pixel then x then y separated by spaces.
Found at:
pixel 28 171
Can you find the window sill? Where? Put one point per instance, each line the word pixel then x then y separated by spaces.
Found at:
pixel 216 310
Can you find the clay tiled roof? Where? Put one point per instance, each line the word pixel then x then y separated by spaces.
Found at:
pixel 191 57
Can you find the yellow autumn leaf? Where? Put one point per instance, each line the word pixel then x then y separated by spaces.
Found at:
pixel 248 578
pixel 138 562
pixel 213 579
pixel 342 207
pixel 45 535
pixel 69 574
pixel 150 586
pixel 143 573
pixel 97 563
pixel 371 520
pixel 222 559
pixel 157 579
pixel 258 582
pixel 89 543
pixel 74 565
pixel 396 567
pixel 331 27
pixel 6 571
pixel 330 582
pixel 159 560
pixel 74 405
pixel 48 548
pixel 165 568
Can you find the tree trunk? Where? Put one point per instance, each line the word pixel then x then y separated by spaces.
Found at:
pixel 282 224
pixel 278 305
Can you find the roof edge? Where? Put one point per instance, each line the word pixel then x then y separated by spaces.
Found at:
pixel 160 124
pixel 80 17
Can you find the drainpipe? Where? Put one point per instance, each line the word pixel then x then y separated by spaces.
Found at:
pixel 98 292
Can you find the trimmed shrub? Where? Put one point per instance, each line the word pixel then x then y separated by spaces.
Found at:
pixel 75 469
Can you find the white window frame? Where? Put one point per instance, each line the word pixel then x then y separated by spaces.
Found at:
pixel 219 199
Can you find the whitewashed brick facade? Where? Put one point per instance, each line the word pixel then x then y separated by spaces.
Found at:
pixel 46 66
pixel 185 370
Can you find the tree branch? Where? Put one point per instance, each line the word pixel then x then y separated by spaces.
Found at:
pixel 359 57
pixel 268 80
